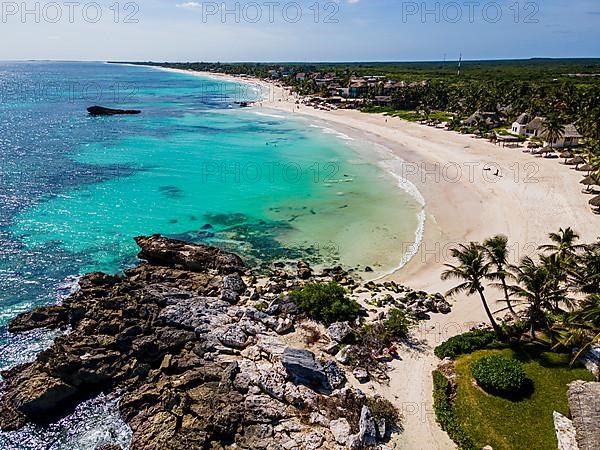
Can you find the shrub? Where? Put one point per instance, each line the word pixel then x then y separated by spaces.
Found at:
pixel 445 415
pixel 466 343
pixel 499 375
pixel 326 302
pixel 384 409
pixel 398 323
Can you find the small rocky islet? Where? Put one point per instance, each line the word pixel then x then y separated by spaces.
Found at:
pixel 207 355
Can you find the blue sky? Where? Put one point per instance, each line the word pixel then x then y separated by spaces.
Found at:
pixel 344 30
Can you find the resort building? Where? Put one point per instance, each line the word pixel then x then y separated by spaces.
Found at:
pixel 519 126
pixel 570 138
pixel 534 127
pixel 487 120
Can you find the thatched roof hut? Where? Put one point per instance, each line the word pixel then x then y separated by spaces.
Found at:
pixel 585 168
pixel 576 161
pixel 595 201
pixel 589 181
pixel 584 403
pixel 567 154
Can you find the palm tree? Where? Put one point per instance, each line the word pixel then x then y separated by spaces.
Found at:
pixel 582 327
pixel 538 289
pixel 552 130
pixel 584 274
pixel 563 245
pixel 471 270
pixel 496 249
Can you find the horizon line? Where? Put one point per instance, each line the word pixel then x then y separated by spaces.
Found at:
pixel 534 58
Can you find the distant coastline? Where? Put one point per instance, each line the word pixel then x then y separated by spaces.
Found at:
pixel 469 204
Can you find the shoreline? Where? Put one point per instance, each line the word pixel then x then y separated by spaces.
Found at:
pixel 273 94
pixel 463 202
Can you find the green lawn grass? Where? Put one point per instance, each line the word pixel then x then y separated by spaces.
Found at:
pixel 523 424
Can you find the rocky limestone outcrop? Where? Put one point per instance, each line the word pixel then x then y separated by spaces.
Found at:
pixel 196 370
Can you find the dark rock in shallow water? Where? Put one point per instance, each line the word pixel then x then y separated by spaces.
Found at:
pixel 196 258
pixel 45 317
pixel 102 111
pixel 32 393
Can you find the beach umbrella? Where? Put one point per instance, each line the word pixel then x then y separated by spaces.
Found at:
pixel 576 161
pixel 589 181
pixel 585 168
pixel 595 201
pixel 566 155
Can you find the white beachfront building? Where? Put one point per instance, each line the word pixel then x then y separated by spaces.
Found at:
pixel 528 126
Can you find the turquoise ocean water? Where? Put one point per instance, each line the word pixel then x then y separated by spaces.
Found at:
pixel 75 190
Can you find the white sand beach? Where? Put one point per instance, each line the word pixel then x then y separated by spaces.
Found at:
pixel 530 198
pixel 533 197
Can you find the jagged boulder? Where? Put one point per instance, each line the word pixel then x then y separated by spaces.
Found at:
pixel 234 283
pixel 340 429
pixel 45 317
pixel 196 258
pixel 339 332
pixel 303 368
pixel 335 376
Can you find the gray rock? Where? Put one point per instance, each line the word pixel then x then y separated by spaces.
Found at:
pixel 258 436
pixel 367 427
pixel 200 314
pixel 444 307
pixel 303 368
pixel 331 348
pixel 234 337
pixel 381 429
pixel 361 375
pixel 339 332
pixel 313 440
pixel 340 429
pixel 234 283
pixel 273 382
pixel 355 442
pixel 342 356
pixel 335 375
pixel 263 409
pixel 284 325
pixel 230 296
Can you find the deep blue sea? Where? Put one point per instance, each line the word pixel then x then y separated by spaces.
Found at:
pixel 75 190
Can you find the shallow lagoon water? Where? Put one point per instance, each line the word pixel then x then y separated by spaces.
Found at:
pixel 75 190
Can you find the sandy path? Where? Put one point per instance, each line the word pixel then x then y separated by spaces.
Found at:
pixel 533 197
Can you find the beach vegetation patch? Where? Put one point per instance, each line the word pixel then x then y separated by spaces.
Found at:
pixel 383 409
pixel 499 375
pixel 398 324
pixel 467 343
pixel 445 414
pixel 326 302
